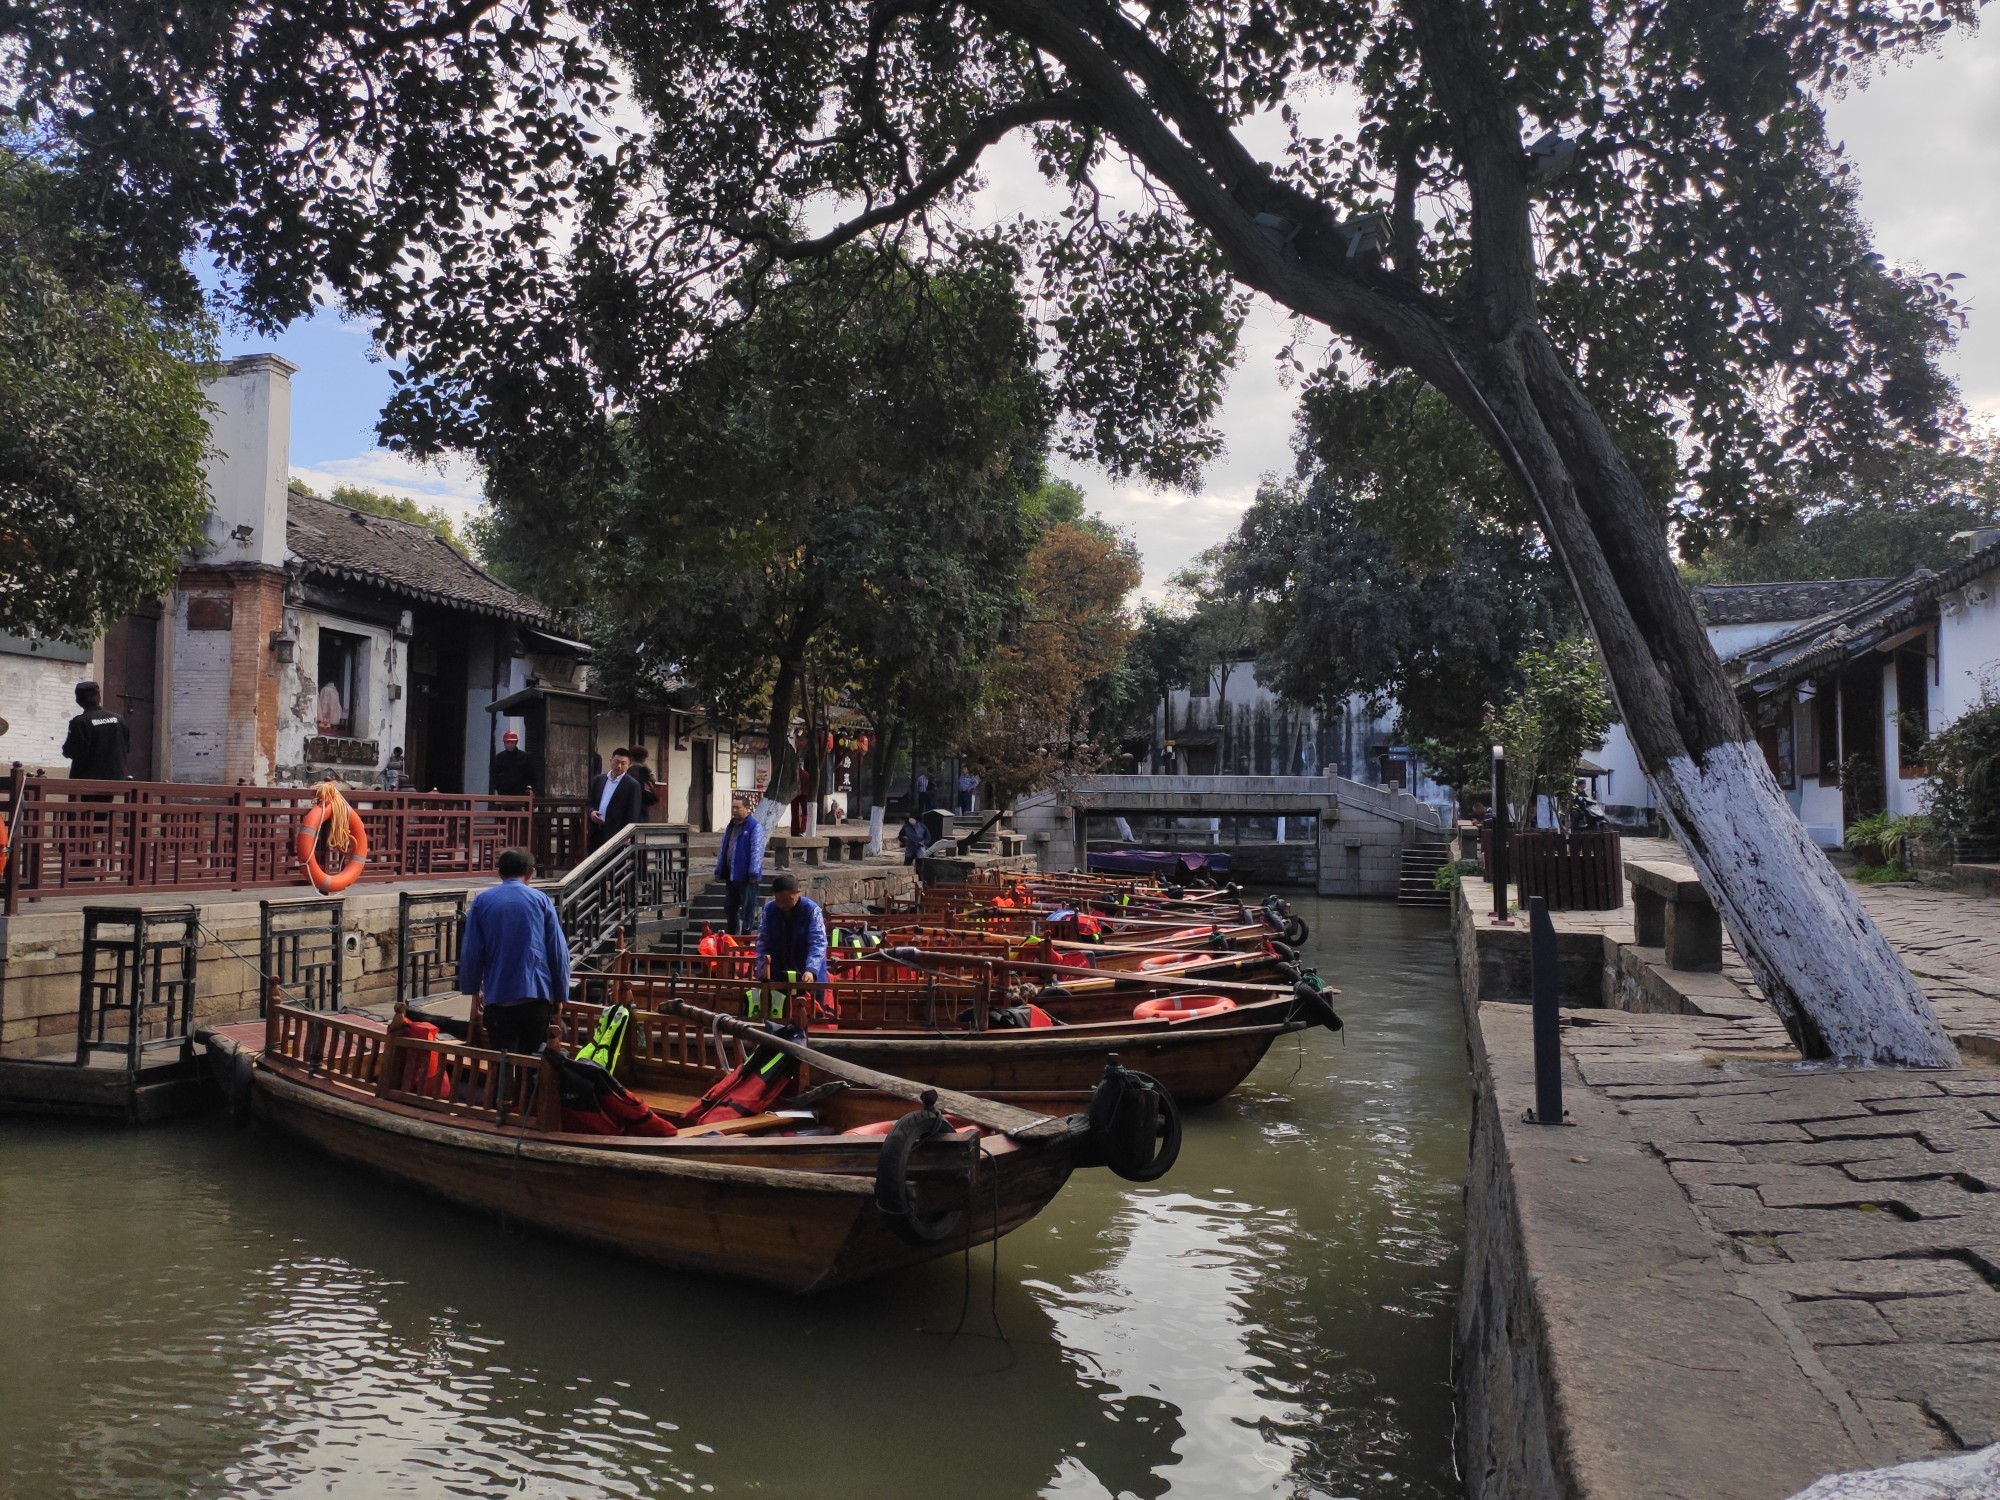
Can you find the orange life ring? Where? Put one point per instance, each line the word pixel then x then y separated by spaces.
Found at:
pixel 308 843
pixel 1182 1007
pixel 883 1127
pixel 1164 960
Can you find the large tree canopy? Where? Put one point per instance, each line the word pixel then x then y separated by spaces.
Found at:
pixel 102 420
pixel 1613 235
pixel 1879 523
pixel 844 483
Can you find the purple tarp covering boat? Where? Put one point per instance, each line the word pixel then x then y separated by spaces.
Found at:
pixel 1164 864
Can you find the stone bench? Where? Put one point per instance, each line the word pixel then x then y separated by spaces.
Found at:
pixel 1670 910
pixel 1013 843
pixel 849 844
pixel 785 849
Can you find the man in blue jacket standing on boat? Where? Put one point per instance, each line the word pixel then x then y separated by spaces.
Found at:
pixel 512 955
pixel 740 861
pixel 791 940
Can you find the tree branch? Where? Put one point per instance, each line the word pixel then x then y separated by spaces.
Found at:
pixel 1456 44
pixel 984 133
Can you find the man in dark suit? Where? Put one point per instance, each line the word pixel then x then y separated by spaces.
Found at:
pixel 616 798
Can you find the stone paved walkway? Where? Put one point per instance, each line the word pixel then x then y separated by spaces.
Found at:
pixel 1857 1210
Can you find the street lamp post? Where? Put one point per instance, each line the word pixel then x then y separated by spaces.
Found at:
pixel 1501 869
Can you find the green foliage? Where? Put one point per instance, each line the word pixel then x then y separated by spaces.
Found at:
pixel 102 421
pixel 1885 837
pixel 1433 621
pixel 1449 877
pixel 839 490
pixel 1892 873
pixel 1881 521
pixel 1964 762
pixel 1700 263
pixel 1561 710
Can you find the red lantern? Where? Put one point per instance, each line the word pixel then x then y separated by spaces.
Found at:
pixel 862 744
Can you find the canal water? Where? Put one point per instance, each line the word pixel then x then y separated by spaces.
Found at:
pixel 199 1311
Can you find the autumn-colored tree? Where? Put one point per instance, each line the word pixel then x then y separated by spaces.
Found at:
pixel 1033 726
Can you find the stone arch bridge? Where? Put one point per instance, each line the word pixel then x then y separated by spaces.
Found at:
pixel 1342 837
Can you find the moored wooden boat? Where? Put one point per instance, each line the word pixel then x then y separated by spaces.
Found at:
pixel 788 1199
pixel 946 1034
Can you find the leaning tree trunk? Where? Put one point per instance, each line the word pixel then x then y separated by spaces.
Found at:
pixel 1841 990
pixel 784 782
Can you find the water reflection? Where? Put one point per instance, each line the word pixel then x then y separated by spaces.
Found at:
pixel 214 1313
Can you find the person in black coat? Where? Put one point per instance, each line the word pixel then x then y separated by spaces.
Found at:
pixel 513 773
pixel 616 798
pixel 98 739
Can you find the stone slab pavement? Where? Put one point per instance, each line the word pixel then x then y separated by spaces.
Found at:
pixel 1846 1298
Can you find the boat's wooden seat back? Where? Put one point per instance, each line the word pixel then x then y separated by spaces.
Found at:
pixel 925 1004
pixel 444 1076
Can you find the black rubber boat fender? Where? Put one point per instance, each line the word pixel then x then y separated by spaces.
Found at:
pixel 1135 1126
pixel 892 1177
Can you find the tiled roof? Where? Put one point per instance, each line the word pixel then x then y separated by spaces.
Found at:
pixel 1768 603
pixel 400 557
pixel 1841 634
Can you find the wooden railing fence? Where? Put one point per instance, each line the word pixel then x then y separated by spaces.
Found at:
pixel 108 837
pixel 1582 871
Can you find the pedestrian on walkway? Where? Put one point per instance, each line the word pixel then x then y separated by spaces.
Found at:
pixel 98 739
pixel 912 836
pixel 924 799
pixel 512 957
pixel 740 862
pixel 968 791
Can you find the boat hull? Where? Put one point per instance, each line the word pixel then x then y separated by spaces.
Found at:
pixel 805 1225
pixel 1196 1064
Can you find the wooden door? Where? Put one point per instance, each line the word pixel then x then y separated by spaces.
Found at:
pixel 566 748
pixel 131 683
pixel 701 781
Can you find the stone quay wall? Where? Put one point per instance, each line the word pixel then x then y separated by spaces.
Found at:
pixel 41 960
pixel 1726 1276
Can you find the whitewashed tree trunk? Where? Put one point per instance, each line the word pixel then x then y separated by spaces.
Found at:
pixel 874 848
pixel 1781 899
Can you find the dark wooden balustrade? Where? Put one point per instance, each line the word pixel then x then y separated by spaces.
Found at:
pixel 1580 871
pixel 141 837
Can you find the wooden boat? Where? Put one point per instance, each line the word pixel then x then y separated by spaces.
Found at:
pixel 786 1199
pixel 943 1033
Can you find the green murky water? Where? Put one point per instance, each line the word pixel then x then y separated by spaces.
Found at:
pixel 200 1311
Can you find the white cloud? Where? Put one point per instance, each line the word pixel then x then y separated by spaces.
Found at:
pixel 455 486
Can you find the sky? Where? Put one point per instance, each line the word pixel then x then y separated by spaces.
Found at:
pixel 1925 136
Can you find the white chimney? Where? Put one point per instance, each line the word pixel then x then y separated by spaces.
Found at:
pixel 1976 540
pixel 251 433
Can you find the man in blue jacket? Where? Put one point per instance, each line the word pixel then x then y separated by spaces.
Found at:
pixel 740 861
pixel 512 955
pixel 791 940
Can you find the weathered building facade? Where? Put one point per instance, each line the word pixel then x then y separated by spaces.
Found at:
pixel 308 640
pixel 1230 724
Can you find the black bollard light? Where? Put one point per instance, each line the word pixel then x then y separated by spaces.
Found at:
pixel 1501 868
pixel 1548 1108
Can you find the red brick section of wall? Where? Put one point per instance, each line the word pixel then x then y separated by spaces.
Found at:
pixel 256 609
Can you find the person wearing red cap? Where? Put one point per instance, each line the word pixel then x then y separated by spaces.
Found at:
pixel 513 769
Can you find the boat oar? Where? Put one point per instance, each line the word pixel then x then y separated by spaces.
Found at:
pixel 1005 1118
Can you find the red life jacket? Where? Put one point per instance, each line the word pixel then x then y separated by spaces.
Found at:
pixel 424 1072
pixel 753 1089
